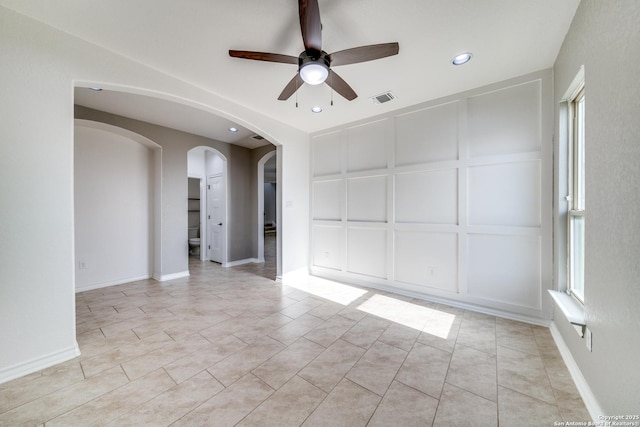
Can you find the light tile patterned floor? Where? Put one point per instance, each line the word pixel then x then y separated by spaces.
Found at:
pixel 231 347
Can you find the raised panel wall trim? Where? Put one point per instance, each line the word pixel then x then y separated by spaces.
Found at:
pixel 425 224
pixel 496 195
pixel 504 230
pixel 367 173
pixel 373 225
pixel 434 166
pixel 504 159
pixel 427 167
pixel 503 270
pixel 327 177
pixel 534 145
pixel 427 228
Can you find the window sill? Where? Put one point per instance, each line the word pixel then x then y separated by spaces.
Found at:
pixel 572 309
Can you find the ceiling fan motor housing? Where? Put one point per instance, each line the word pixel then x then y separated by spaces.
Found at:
pixel 314 69
pixel 314 63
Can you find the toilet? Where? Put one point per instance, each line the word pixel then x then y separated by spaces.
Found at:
pixel 194 242
pixel 194 246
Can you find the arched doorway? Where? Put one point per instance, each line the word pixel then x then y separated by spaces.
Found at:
pixel 210 167
pixel 117 230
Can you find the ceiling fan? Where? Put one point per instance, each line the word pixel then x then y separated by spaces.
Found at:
pixel 314 64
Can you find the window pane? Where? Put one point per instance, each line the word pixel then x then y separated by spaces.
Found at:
pixel 576 217
pixel 577 256
pixel 579 159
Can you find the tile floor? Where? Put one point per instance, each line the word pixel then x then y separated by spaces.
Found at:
pixel 232 347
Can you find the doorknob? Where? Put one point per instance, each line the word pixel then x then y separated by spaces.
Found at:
pixel 219 223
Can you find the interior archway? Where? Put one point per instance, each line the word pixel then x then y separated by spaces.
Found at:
pixel 206 163
pixel 117 229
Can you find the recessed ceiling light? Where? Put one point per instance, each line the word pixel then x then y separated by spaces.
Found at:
pixel 462 58
pixel 97 89
pixel 317 109
pixel 232 129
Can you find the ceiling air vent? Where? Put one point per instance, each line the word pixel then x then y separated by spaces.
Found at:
pixel 383 97
pixel 258 137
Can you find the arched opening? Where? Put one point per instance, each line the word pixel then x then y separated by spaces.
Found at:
pixel 208 207
pixel 117 228
pixel 117 105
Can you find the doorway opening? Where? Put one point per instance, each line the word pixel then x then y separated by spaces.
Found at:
pixel 268 212
pixel 194 226
pixel 209 167
pixel 117 227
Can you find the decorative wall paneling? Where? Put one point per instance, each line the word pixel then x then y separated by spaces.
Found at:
pixel 450 200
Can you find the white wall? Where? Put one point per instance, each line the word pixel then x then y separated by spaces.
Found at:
pixel 450 199
pixel 113 208
pixel 605 38
pixel 40 67
pixel 214 164
pixel 196 162
pixel 293 195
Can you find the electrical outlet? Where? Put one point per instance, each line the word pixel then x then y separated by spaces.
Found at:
pixel 82 265
pixel 431 271
pixel 589 339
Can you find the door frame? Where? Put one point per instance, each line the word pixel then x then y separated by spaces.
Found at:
pixel 209 168
pixel 225 215
pixel 260 209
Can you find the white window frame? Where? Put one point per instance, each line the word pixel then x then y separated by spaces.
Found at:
pixel 576 213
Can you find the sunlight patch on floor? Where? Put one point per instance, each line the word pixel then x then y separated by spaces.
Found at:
pixel 327 289
pixel 429 320
pixel 398 311
pixel 440 325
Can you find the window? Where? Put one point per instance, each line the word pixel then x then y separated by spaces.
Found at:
pixel 576 198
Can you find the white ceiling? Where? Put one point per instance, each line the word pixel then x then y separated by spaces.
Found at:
pixel 190 39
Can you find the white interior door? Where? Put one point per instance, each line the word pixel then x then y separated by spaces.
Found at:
pixel 216 217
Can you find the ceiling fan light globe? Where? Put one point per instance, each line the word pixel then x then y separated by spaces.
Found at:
pixel 314 73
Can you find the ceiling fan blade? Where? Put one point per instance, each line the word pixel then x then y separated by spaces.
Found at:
pixel 264 56
pixel 311 26
pixel 339 85
pixel 364 53
pixel 291 87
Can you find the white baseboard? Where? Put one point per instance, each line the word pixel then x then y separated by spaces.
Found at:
pixel 241 262
pixel 91 286
pixel 172 276
pixel 471 306
pixel 590 401
pixel 38 363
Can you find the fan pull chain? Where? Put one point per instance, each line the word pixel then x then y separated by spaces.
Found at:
pixel 297 93
pixel 331 75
